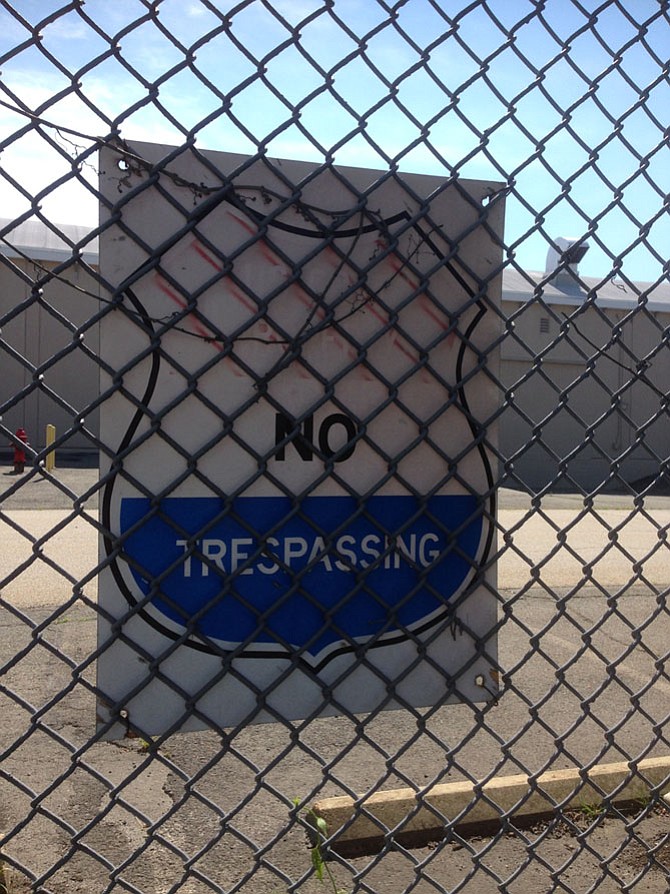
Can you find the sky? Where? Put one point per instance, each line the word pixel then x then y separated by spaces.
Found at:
pixel 564 101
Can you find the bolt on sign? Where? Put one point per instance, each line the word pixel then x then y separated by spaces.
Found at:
pixel 299 396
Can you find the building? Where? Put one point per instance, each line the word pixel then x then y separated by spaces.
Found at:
pixel 584 367
pixel 48 343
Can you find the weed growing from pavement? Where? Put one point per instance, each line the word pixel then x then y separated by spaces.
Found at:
pixel 591 811
pixel 320 833
pixel 6 883
pixel 643 801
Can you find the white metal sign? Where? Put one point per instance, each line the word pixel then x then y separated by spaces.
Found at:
pixel 301 495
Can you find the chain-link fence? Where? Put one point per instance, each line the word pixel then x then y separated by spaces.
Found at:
pixel 334 397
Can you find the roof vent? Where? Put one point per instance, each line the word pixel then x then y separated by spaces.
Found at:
pixel 564 256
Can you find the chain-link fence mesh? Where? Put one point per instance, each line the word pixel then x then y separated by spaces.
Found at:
pixel 334 392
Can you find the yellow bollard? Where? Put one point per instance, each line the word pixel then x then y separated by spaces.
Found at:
pixel 50 459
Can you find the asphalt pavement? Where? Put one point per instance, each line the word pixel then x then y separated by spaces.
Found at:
pixel 585 629
pixel 556 540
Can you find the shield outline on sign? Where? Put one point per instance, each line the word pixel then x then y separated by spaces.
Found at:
pixel 196 639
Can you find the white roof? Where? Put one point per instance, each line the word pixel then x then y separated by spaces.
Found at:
pixel 41 243
pixel 522 287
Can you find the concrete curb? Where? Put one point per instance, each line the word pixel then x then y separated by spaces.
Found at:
pixel 355 830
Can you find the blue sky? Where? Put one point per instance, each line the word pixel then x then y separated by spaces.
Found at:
pixel 543 95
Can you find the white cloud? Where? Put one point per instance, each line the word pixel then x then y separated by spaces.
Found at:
pixel 195 10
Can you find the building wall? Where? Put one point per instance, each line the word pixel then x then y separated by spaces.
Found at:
pixel 575 412
pixel 568 412
pixel 57 381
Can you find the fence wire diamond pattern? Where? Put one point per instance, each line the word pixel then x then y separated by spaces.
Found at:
pixel 351 322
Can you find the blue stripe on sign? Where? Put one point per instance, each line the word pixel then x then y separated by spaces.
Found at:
pixel 303 575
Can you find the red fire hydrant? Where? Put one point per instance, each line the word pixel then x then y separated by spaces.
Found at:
pixel 19 452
